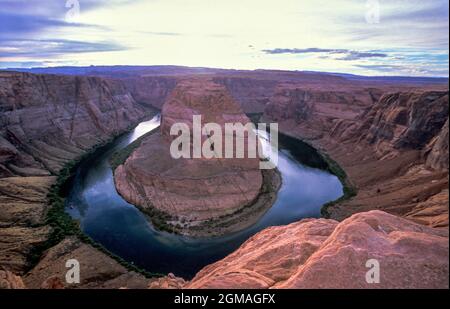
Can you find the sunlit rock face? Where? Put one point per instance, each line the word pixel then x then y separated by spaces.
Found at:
pixel 192 190
pixel 321 253
pixel 10 281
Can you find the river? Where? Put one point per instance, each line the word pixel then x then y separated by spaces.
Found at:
pixel 122 229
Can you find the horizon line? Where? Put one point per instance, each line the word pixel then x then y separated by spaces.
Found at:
pixel 18 69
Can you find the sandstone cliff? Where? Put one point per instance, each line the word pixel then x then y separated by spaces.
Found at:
pixel 48 120
pixel 10 281
pixel 45 122
pixel 392 146
pixel 150 90
pixel 438 156
pixel 391 139
pixel 97 270
pixel 404 121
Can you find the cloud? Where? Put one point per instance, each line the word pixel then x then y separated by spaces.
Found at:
pixel 411 23
pixel 412 34
pixel 27 28
pixel 434 12
pixel 56 9
pixel 162 33
pixel 28 18
pixel 21 64
pixel 409 70
pixel 19 25
pixel 346 54
pixel 48 48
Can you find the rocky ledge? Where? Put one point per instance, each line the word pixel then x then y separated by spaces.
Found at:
pixel 196 196
pixel 324 253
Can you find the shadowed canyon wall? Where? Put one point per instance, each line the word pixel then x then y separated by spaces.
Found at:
pixel 394 149
pixel 45 122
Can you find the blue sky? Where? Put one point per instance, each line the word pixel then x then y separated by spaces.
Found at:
pixel 369 37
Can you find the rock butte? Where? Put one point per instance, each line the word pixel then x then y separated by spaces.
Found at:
pixel 195 190
pixel 389 135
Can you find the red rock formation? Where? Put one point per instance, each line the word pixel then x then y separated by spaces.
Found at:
pixel 438 157
pixel 10 281
pixel 320 253
pixel 48 120
pixel 150 90
pixel 391 149
pixel 191 190
pixel 97 270
pixel 45 122
pixel 253 94
pixel 168 282
pixel 395 151
pixel 402 121
pixel 53 283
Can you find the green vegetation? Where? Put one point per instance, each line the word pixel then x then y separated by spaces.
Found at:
pixel 254 117
pixel 62 225
pixel 119 157
pixel 349 189
pixel 306 153
pixel 159 220
pixel 333 167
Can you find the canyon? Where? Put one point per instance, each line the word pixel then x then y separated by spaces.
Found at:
pixel 390 136
pixel 192 193
pixel 393 152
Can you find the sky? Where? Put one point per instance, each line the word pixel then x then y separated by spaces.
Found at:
pixel 367 37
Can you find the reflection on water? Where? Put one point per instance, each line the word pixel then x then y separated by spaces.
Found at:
pixel 124 230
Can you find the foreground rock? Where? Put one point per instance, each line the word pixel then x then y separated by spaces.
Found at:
pixel 168 282
pixel 97 270
pixel 23 206
pixel 10 281
pixel 191 191
pixel 321 253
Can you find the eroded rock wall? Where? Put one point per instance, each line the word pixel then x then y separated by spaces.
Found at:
pixel 393 147
pixel 45 122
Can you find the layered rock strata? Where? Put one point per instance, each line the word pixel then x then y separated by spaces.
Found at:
pixel 395 157
pixel 192 190
pixel 47 121
pixel 394 150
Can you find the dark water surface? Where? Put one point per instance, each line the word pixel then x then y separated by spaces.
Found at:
pixel 121 228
